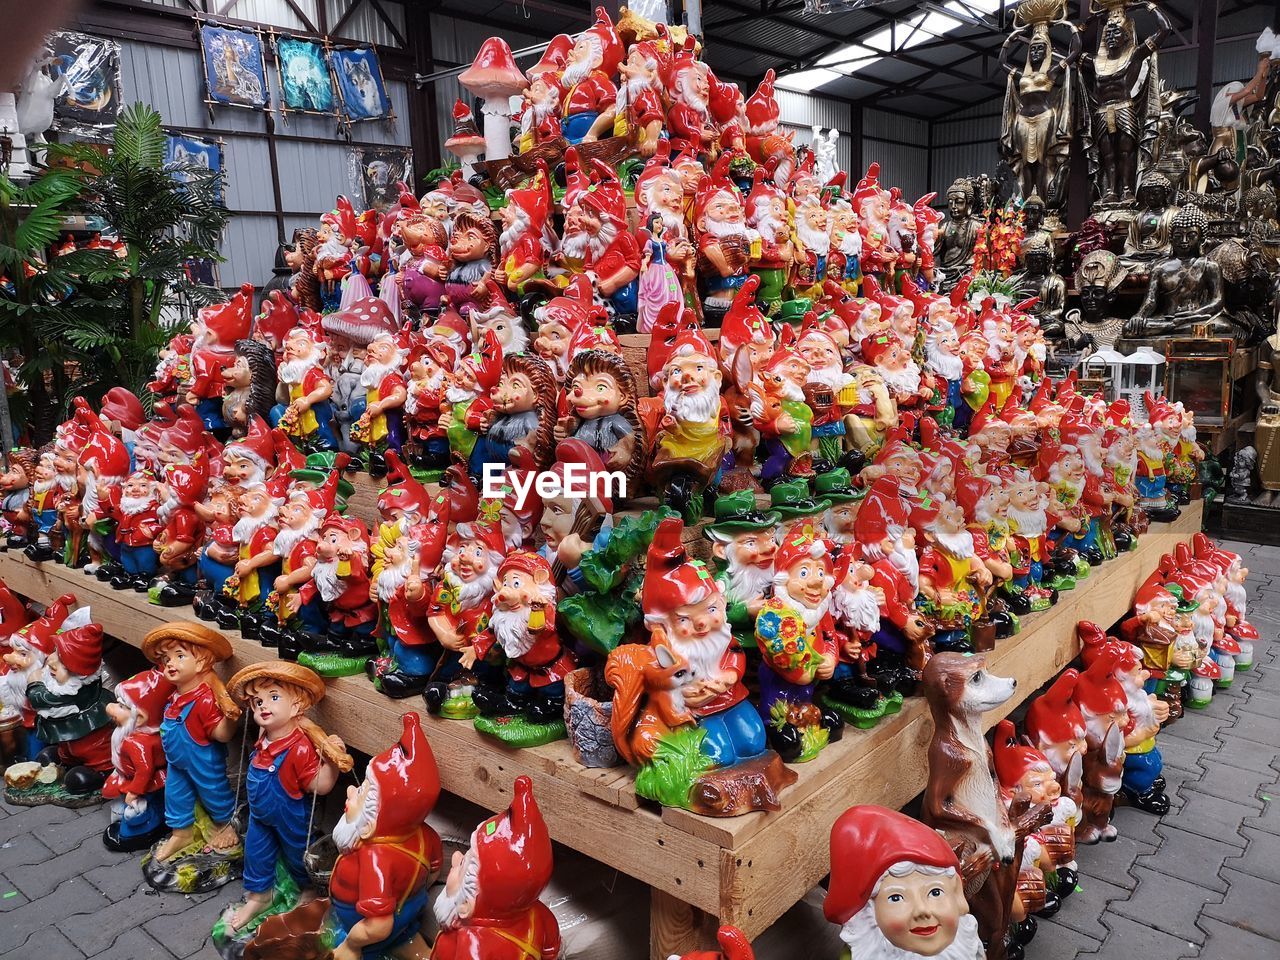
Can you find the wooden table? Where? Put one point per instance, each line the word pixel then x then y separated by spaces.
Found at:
pixel 747 870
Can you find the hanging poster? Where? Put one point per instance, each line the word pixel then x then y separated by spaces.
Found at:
pixel 90 100
pixel 360 86
pixel 234 68
pixel 184 151
pixel 377 173
pixel 302 67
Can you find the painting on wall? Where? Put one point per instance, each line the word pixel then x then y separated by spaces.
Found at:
pixel 184 151
pixel 90 98
pixel 358 75
pixel 306 85
pixel 377 172
pixel 234 68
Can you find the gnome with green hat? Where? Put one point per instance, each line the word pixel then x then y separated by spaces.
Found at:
pixel 798 509
pixel 743 543
pixel 837 487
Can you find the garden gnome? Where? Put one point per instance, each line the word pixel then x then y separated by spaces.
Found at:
pixel 798 648
pixel 523 625
pixel 178 543
pixel 25 651
pixel 258 565
pixel 136 783
pixel 590 97
pixel 600 391
pixel 743 544
pixel 307 415
pixel 381 426
pixel 199 721
pixel 342 575
pixel 896 889
pixel 684 604
pixel 69 700
pixel 137 526
pixel 1104 707
pixel 387 855
pixel 953 578
pixel 293 758
pixel 16 484
pixel 216 329
pixel 855 611
pixel 489 906
pixel 468 395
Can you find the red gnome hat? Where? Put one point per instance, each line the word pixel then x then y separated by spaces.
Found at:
pixel 277 318
pixel 865 842
pixel 1097 691
pixel 13 615
pixel 671 579
pixel 119 404
pixel 1053 717
pixel 256 445
pixel 80 649
pixel 1013 759
pixel 513 854
pixel 38 635
pixel 105 455
pixel 230 321
pixel 406 494
pixel 147 692
pixel 1092 640
pixel 408 781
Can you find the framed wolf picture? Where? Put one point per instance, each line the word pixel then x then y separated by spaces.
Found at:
pixel 302 68
pixel 358 76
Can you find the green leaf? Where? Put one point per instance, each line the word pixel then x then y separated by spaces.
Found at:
pixel 138 137
pixel 40 227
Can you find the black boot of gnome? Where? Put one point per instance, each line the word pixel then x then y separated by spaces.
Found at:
pixel 289 644
pixel 1003 622
pixel 680 493
pixel 1067 880
pixel 397 684
pixel 176 594
pixel 377 464
pixel 1052 903
pixel 544 710
pixel 435 694
pixel 786 741
pixel 1024 932
pixel 47 756
pixel 851 692
pixel 1153 801
pixel 112 840
pixel 492 701
pixel 833 723
pixel 1093 556
pixel 83 780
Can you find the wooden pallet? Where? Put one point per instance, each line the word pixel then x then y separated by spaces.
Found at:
pixel 746 871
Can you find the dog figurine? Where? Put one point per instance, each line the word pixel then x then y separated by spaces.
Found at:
pixel 962 799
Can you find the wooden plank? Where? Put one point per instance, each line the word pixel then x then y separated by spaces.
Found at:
pixel 771 868
pixel 677 928
pixel 584 809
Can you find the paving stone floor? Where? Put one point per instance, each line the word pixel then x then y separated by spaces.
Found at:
pixel 1202 882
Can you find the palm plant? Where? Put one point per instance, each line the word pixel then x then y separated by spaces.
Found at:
pixel 85 321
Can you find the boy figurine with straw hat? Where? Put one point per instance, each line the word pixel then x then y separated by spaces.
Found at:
pixel 292 758
pixel 199 720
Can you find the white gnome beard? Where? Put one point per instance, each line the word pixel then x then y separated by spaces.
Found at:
pixel 1237 596
pixel 811 616
pixel 958 545
pixel 704 653
pixel 904 381
pixel 817 241
pixel 1203 626
pixel 946 365
pixel 512 234
pixel 293 371
pixel 511 629
pixel 392 578
pixel 746 580
pixel 131 506
pixel 13 692
pixel 457 394
pixel 697 407
pixel 908 563
pixel 1029 523
pixel 726 229
pixel 448 906
pixel 768 226
pixel 288 538
pixel 328 583
pixel 472 593
pixel 122 733
pixel 863 937
pixel 348 833
pixel 832 375
pixel 374 372
pixel 856 609
pixel 247 527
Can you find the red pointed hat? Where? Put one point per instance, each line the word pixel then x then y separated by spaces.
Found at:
pixel 513 853
pixel 744 322
pixel 485 362
pixel 13 614
pixel 489 534
pixel 1097 691
pixel 277 317
pixel 762 108
pixel 671 579
pixel 865 842
pixel 147 692
pixel 230 321
pixel 288 457
pixel 408 781
pixel 1053 717
pixel 672 319
pixel 119 404
pixel 106 455
pixel 1092 640
pixel 405 494
pixel 610 42
pixel 594 336
pixel 431 535
pixel 1013 760
pixel 553 58
pixel 256 445
pixel 38 635
pixel 883 508
pixel 534 200
pixel 799 547
pixel 80 649
pixel 571 450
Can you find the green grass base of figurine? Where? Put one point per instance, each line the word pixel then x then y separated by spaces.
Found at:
pixel 1040 604
pixel 1244 667
pixel 893 703
pixel 1083 569
pixel 1223 684
pixel 1016 621
pixel 1197 704
pixel 863 719
pixel 675 767
pixel 40 794
pixel 460 707
pixel 192 869
pixel 231 944
pixel 813 740
pixel 1059 583
pixel 333 665
pixel 518 731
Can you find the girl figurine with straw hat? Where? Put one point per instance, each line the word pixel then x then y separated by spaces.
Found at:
pixel 293 758
pixel 199 720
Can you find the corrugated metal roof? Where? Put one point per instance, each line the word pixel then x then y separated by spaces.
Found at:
pixel 365 25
